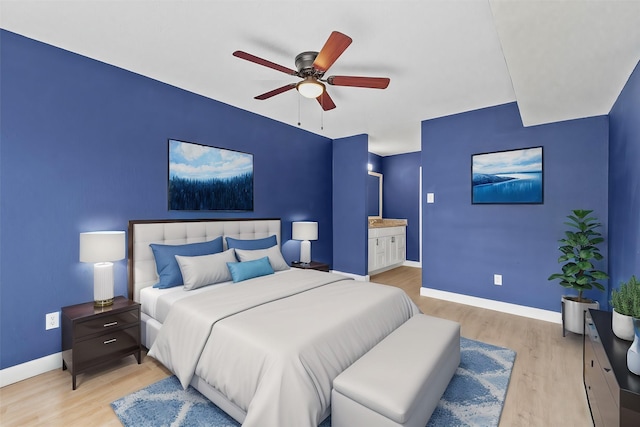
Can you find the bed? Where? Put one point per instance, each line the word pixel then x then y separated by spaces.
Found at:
pixel 266 349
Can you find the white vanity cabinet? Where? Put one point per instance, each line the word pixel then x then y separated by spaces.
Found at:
pixel 387 248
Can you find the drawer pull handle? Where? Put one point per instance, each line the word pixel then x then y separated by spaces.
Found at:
pixel 110 341
pixel 106 325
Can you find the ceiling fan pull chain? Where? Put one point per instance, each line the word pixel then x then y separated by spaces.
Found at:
pixel 298 110
pixel 322 119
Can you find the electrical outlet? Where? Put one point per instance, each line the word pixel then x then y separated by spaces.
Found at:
pixel 52 320
pixel 497 279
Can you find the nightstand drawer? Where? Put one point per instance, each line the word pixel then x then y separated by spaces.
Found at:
pixel 106 346
pixel 105 323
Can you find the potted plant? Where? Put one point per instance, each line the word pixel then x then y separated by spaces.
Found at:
pixel 623 300
pixel 579 251
pixel 633 354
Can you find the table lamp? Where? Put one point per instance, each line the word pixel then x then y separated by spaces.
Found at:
pixel 101 248
pixel 305 231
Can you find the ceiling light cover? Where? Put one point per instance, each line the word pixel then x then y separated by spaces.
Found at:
pixel 310 88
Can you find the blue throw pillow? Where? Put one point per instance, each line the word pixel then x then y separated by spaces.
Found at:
pixel 166 263
pixel 265 243
pixel 249 269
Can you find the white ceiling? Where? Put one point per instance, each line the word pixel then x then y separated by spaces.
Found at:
pixel 559 59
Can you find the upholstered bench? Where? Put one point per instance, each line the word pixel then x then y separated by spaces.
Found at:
pixel 400 381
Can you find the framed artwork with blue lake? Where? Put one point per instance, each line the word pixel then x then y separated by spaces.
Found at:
pixel 507 177
pixel 209 178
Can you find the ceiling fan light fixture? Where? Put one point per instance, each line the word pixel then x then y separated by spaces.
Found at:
pixel 310 88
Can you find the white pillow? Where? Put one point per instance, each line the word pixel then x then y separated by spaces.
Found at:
pixel 203 270
pixel 275 257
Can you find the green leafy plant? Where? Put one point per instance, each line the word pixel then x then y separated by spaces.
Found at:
pixel 579 250
pixel 626 299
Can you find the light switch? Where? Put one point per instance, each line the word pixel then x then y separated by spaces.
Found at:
pixel 431 197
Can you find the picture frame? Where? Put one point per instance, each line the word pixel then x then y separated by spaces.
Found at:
pixel 201 177
pixel 508 177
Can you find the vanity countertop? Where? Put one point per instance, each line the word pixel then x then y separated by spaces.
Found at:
pixel 387 222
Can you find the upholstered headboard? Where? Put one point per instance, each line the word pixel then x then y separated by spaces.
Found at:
pixel 142 265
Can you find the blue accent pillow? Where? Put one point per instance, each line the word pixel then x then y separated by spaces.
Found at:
pixel 265 243
pixel 249 269
pixel 166 263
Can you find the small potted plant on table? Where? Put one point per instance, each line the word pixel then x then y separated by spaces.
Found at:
pixel 579 251
pixel 623 301
pixel 633 354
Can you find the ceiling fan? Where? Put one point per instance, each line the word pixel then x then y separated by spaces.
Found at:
pixel 311 67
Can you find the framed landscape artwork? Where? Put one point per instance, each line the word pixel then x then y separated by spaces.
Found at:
pixel 514 176
pixel 209 178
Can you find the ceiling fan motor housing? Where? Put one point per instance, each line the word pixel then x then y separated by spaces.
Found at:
pixel 304 64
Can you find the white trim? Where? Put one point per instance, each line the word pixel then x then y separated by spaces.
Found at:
pixel 415 264
pixel 353 276
pixel 420 218
pixel 30 369
pixel 505 307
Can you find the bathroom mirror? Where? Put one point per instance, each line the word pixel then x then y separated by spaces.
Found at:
pixel 374 195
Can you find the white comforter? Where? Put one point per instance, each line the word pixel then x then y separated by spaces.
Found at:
pixel 273 345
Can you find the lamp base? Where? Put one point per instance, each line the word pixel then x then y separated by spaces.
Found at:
pixel 103 284
pixel 103 303
pixel 305 251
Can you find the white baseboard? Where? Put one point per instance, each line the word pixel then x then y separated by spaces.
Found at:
pixel 353 276
pixel 30 369
pixel 415 264
pixel 505 307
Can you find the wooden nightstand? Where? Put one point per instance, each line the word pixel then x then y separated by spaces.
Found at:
pixel 313 265
pixel 92 336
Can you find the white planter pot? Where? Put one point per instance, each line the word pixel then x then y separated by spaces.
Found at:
pixel 622 326
pixel 573 314
pixel 633 354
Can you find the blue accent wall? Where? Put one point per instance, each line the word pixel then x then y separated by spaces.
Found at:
pixel 402 196
pixel 624 183
pixel 464 244
pixel 376 162
pixel 84 147
pixel 350 227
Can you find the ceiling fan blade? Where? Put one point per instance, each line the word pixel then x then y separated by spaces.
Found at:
pixel 249 57
pixel 326 102
pixel 332 49
pixel 275 92
pixel 369 82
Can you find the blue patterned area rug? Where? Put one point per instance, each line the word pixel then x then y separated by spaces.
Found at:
pixel 474 397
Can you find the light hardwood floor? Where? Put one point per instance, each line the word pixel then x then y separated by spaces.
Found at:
pixel 545 390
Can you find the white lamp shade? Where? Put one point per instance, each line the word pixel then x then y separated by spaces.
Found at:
pixel 304 230
pixel 102 246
